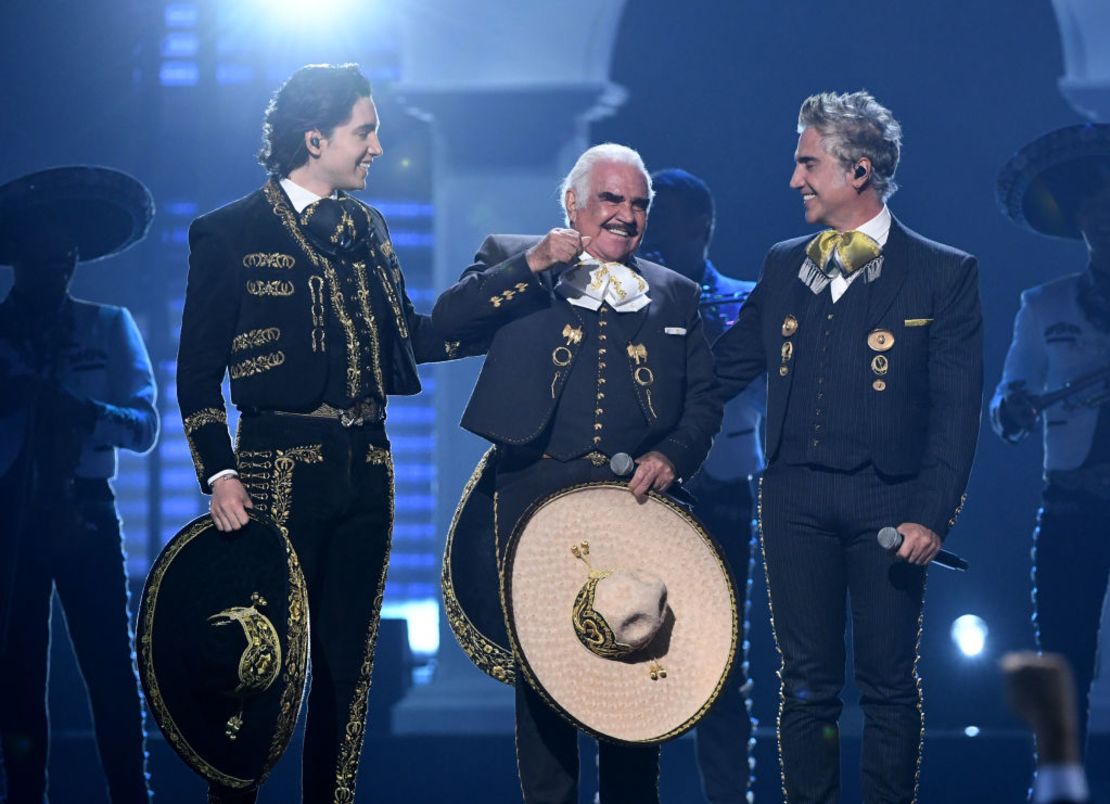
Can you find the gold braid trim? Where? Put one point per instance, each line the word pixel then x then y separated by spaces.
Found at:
pixel 194 422
pixel 363 295
pixel 347 763
pixel 257 365
pixel 254 338
pixel 280 208
pixel 393 303
pixel 487 655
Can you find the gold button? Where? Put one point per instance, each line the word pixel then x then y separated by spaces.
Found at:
pixel 879 385
pixel 789 326
pixel 880 340
pixel 784 370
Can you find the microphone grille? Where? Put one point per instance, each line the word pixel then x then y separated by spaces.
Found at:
pixel 890 538
pixel 621 464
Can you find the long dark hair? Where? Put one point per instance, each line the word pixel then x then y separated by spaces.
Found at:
pixel 317 96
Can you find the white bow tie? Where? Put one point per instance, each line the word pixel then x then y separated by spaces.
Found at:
pixel 591 283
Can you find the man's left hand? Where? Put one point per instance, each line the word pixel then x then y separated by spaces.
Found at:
pixel 654 472
pixel 919 544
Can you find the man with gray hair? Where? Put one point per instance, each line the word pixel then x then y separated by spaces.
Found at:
pixel 871 338
pixel 592 352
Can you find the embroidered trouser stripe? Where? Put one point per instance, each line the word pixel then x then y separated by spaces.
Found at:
pixel 338 512
pixel 820 552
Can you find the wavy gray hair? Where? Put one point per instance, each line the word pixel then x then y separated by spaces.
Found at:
pixel 852 126
pixel 579 177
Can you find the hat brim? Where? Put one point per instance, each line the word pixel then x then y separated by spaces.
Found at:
pixel 100 210
pixel 1042 186
pixel 617 699
pixel 199 573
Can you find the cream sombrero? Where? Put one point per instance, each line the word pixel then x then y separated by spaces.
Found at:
pixel 621 615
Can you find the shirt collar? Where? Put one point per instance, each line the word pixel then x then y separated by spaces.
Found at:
pixel 878 228
pixel 299 197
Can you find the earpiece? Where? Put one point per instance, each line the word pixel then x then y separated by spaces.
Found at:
pixel 861 171
pixel 315 142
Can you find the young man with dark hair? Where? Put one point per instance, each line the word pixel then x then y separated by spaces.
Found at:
pixel 295 291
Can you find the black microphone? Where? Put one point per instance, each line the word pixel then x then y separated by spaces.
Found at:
pixel 891 540
pixel 622 464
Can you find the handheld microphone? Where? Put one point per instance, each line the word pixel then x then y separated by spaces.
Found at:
pixel 622 464
pixel 891 540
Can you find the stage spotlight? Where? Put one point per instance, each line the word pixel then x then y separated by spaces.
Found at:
pixel 972 731
pixel 305 13
pixel 969 632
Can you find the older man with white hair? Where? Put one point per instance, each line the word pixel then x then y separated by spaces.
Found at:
pixel 592 353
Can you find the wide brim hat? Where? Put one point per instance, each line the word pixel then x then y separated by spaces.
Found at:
pixel 1042 186
pixel 471 577
pixel 102 211
pixel 654 693
pixel 222 645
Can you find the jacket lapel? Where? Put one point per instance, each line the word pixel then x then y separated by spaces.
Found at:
pixel 886 287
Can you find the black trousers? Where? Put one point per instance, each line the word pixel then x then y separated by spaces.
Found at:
pixel 724 735
pixel 1071 566
pixel 74 547
pixel 820 553
pixel 546 744
pixel 330 489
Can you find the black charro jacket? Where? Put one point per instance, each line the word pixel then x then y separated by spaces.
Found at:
pixel 500 301
pixel 255 308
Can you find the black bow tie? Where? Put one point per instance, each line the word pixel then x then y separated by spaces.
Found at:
pixel 337 226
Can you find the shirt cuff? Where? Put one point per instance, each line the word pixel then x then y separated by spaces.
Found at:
pixel 224 473
pixel 1060 783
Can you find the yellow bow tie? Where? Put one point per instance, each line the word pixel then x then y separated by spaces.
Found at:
pixel 853 250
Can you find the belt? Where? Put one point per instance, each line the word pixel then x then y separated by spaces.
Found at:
pixel 363 412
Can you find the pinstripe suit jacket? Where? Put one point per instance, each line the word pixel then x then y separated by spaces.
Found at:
pixel 925 422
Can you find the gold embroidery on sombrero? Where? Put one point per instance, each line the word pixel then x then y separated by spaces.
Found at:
pixel 487 655
pixel 351 748
pixel 154 698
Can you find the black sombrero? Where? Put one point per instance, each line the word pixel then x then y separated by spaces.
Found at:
pixel 222 644
pixel 1042 185
pixel 101 210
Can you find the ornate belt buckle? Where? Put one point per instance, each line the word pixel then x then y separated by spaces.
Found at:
pixel 349 419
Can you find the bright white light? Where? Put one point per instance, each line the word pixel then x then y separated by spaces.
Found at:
pixel 970 634
pixel 307 13
pixel 972 731
pixel 423 621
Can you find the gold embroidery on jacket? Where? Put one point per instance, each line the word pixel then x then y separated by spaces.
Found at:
pixel 270 287
pixel 254 338
pixel 193 423
pixel 257 365
pixel 316 293
pixel 363 295
pixel 280 208
pixel 274 260
pixel 393 303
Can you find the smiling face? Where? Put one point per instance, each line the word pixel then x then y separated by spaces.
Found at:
pixel 343 158
pixel 614 213
pixel 830 193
